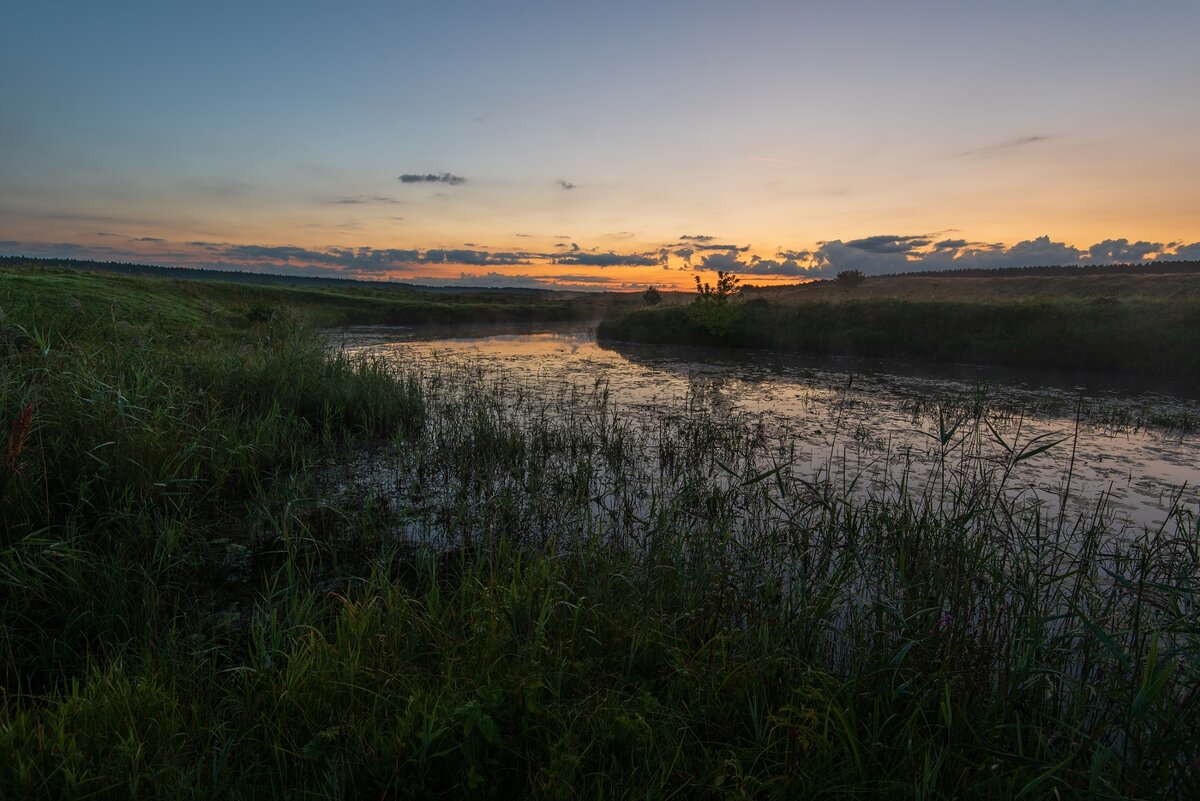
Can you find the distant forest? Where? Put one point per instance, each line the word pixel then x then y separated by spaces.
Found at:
pixel 1140 268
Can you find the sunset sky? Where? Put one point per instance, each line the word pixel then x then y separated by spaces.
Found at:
pixel 600 145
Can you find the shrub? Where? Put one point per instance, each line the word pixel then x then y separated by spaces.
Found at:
pixel 850 278
pixel 711 309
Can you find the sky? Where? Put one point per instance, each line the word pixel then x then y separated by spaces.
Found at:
pixel 604 145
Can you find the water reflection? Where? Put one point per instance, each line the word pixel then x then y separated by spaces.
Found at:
pixel 866 419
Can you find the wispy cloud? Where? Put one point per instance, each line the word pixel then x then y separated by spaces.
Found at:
pixel 565 184
pixel 735 248
pixel 361 200
pixel 1008 145
pixel 432 178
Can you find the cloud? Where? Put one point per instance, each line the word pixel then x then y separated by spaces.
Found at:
pixel 788 267
pixel 886 253
pixel 579 278
pixel 270 252
pixel 951 244
pixel 888 243
pixel 432 178
pixel 1184 253
pixel 727 262
pixel 1041 251
pixel 729 248
pixel 566 184
pixel 832 257
pixel 609 259
pixel 1122 250
pixel 877 255
pixel 873 255
pixel 495 279
pixel 359 200
pixel 61 250
pixel 783 265
pixel 472 257
pixel 1008 145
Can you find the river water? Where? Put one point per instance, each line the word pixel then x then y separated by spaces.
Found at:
pixel 1131 449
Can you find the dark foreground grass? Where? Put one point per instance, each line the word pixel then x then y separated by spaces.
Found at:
pixel 585 605
pixel 1149 337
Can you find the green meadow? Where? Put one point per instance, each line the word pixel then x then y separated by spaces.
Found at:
pixel 559 602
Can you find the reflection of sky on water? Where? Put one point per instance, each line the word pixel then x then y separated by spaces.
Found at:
pixel 869 422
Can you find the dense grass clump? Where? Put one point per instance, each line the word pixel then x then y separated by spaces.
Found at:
pixel 1149 337
pixel 237 565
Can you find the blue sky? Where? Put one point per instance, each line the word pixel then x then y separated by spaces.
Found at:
pixel 592 140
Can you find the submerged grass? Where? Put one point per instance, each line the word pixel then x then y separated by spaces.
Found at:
pixel 509 597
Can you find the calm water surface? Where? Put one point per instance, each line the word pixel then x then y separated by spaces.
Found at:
pixel 869 420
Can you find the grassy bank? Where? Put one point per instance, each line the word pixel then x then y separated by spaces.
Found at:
pixel 1160 338
pixel 179 300
pixel 235 565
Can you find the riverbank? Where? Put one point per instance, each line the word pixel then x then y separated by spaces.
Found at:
pixel 1148 337
pixel 515 604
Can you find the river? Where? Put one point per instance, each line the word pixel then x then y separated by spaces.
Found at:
pixel 1130 449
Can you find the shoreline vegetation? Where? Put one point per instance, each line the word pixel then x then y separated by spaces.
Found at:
pixel 1137 324
pixel 530 602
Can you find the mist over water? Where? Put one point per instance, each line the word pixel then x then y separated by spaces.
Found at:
pixel 864 426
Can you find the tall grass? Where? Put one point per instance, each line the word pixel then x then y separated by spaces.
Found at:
pixel 1142 336
pixel 237 564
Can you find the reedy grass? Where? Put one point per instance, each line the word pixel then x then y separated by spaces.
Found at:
pixel 514 597
pixel 1157 337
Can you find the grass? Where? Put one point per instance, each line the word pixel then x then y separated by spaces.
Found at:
pixel 235 564
pixel 184 303
pixel 1148 337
